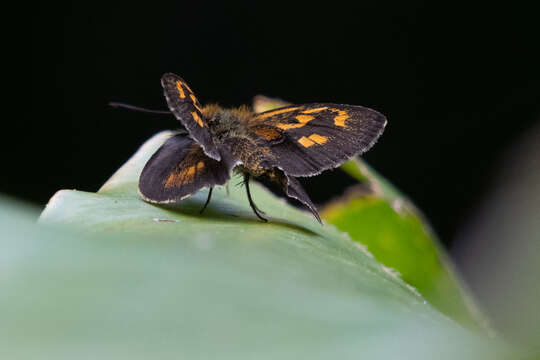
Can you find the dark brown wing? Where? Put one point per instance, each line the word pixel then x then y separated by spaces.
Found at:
pixel 185 106
pixel 178 169
pixel 308 139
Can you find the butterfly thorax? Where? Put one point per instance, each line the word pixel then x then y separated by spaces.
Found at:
pixel 230 129
pixel 226 123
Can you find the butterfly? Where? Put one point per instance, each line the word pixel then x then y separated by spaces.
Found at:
pixel 279 145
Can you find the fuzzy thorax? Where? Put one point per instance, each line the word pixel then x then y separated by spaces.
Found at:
pixel 227 123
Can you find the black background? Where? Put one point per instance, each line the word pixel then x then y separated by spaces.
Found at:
pixel 458 82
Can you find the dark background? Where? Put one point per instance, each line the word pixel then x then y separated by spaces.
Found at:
pixel 458 82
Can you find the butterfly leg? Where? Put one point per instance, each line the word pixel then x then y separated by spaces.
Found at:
pixel 251 203
pixel 207 200
pixel 245 182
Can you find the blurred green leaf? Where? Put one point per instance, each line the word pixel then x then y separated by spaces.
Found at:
pixel 263 103
pixel 130 280
pixel 499 245
pixel 396 233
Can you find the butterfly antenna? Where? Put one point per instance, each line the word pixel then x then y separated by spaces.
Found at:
pixel 136 108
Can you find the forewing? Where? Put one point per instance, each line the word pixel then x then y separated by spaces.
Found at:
pixel 178 169
pixel 307 139
pixel 185 106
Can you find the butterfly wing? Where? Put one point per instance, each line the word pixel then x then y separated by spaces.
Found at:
pixel 305 140
pixel 186 108
pixel 178 169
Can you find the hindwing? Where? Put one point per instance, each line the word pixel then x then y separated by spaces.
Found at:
pixel 178 169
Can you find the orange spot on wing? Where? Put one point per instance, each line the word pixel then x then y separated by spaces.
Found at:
pixel 197 119
pixel 302 120
pixel 316 110
pixel 181 177
pixel 339 119
pixel 171 180
pixel 267 133
pixel 318 138
pixel 312 140
pixel 190 173
pixel 305 142
pixel 276 112
pixel 289 126
pixel 200 166
pixel 194 100
pixel 180 89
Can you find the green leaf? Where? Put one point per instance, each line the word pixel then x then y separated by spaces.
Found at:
pixel 263 103
pixel 396 233
pixel 156 282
